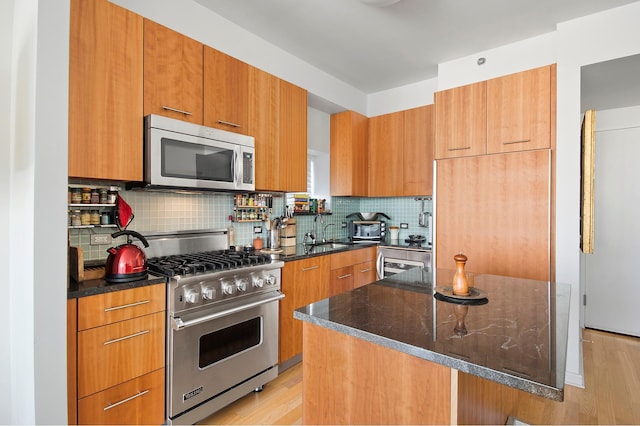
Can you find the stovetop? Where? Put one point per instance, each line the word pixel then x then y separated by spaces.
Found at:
pixel 202 262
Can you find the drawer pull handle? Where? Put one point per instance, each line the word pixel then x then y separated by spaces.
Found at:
pixel 130 305
pixel 115 404
pixel 119 339
pixel 228 123
pixel 310 268
pixel 344 276
pixel 166 108
pixel 520 141
pixel 362 271
pixel 459 149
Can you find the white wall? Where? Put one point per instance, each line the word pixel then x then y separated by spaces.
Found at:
pixel 34 241
pixel 401 98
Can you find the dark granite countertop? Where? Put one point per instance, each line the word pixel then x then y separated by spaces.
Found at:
pixel 99 286
pixel 518 338
pixel 301 251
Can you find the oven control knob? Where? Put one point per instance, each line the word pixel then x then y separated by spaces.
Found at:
pixel 271 279
pixel 191 296
pixel 208 293
pixel 258 282
pixel 241 283
pixel 228 288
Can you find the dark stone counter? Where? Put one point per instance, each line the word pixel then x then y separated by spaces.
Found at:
pixel 100 286
pixel 301 251
pixel 518 338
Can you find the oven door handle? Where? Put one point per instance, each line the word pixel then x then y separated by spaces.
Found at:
pixel 380 265
pixel 178 324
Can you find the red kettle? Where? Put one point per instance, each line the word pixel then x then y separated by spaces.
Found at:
pixel 127 262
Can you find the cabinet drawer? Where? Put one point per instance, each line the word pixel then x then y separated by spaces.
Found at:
pixel 351 257
pixel 138 401
pixel 114 353
pixel 364 273
pixel 108 308
pixel 341 280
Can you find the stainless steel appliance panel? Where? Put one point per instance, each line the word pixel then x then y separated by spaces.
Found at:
pixel 395 260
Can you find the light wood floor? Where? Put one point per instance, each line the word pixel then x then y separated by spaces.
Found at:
pixel 611 394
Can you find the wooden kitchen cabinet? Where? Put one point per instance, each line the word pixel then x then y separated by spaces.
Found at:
pixel 519 110
pixel 418 151
pixel 278 122
pixel 303 282
pixel 226 92
pixel 117 349
pixel 173 74
pixel 461 121
pixel 497 210
pixel 352 269
pixel 105 92
pixel 349 159
pixel 386 140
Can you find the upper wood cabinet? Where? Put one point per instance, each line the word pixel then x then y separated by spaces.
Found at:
pixel 105 92
pixel 278 122
pixel 226 92
pixel 419 140
pixel 293 138
pixel 386 141
pixel 173 69
pixel 461 121
pixel 519 110
pixel 349 160
pixel 511 113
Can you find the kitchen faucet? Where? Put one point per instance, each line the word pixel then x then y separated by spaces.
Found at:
pixel 324 231
pixel 315 225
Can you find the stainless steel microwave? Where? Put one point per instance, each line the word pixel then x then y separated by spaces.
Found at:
pixel 184 155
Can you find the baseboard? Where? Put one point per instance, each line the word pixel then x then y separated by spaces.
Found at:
pixel 574 379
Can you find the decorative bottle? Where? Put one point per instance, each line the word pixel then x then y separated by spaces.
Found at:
pixel 460 284
pixel 231 232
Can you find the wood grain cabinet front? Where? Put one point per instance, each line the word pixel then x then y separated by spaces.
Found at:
pixel 105 92
pixel 173 69
pixel 349 161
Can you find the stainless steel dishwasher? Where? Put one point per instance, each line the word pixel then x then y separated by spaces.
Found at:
pixel 393 260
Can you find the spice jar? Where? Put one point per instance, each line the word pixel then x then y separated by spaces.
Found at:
pixel 76 195
pixel 105 219
pixel 95 196
pixel 75 218
pixel 86 195
pixel 95 217
pixel 112 194
pixel 103 196
pixel 85 218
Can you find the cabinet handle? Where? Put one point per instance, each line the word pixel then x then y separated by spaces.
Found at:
pixel 228 123
pixel 520 141
pixel 344 276
pixel 166 108
pixel 119 339
pixel 115 404
pixel 310 268
pixel 362 271
pixel 459 149
pixel 130 305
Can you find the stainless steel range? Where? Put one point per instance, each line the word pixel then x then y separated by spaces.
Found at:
pixel 222 313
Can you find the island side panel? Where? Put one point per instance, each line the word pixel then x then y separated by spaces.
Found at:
pixel 347 380
pixel 482 401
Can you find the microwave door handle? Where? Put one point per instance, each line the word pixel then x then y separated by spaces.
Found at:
pixel 236 171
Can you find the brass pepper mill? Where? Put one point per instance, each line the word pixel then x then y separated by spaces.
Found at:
pixel 460 284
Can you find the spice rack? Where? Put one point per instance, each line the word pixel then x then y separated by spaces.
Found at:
pixel 87 213
pixel 251 207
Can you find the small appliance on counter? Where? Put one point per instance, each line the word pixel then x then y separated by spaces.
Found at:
pixel 127 262
pixel 369 229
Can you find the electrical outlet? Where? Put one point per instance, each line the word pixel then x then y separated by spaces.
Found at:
pixel 100 239
pixel 404 226
pixel 257 229
pixel 343 225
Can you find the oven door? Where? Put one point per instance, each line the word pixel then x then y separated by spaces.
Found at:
pixel 213 350
pixel 394 261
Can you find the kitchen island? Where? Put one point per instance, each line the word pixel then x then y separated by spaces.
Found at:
pixel 393 352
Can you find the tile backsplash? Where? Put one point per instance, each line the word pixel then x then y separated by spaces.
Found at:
pixel 165 212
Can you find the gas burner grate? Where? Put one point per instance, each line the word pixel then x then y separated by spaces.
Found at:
pixel 211 261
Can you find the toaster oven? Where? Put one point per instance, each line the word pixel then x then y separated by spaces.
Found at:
pixel 367 231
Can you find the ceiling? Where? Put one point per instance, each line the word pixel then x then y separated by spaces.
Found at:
pixel 377 48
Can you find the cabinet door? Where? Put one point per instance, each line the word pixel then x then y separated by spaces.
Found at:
pixel 341 280
pixel 226 92
pixel 461 121
pixel 519 111
pixel 303 282
pixel 105 92
pixel 118 352
pixel 172 74
pixel 364 273
pixel 496 210
pixel 137 402
pixel 293 138
pixel 386 140
pixel 419 136
pixel 264 107
pixel 349 160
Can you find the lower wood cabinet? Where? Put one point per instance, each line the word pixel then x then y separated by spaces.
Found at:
pixel 116 349
pixel 352 269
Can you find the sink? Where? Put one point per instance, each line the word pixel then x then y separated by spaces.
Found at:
pixel 331 244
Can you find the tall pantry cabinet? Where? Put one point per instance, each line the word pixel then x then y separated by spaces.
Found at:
pixel 494 175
